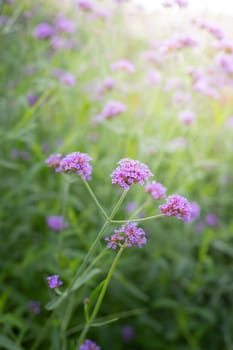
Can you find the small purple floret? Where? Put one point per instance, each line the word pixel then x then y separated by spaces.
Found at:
pixel 56 223
pixel 43 31
pixel 54 282
pixel 89 345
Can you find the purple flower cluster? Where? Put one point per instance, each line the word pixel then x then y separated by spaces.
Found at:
pixel 130 172
pixel 128 234
pixel 34 306
pixel 156 189
pixel 123 65
pixel 64 77
pixel 56 223
pixel 43 31
pixel 89 345
pixel 77 162
pixel 177 206
pixel 187 117
pixel 54 282
pixel 111 109
pixel 54 161
pixel 85 5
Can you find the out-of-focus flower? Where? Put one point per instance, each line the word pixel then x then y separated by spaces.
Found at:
pixel 199 227
pixel 225 61
pixel 195 213
pixel 32 99
pixel 127 333
pixel 107 84
pixel 85 5
pixel 154 57
pixel 181 97
pixel 43 31
pixel 179 143
pixel 102 13
pixel 130 172
pixel 229 122
pixel 54 282
pixel 64 77
pixel 56 223
pixel 154 77
pixel 204 87
pixel 187 117
pixel 177 206
pixel 89 345
pixel 181 3
pixel 77 162
pixel 123 65
pixel 131 207
pixel 63 24
pixel 54 161
pixel 34 306
pixel 211 219
pixel 128 234
pixel 211 28
pixel 156 189
pixel 112 109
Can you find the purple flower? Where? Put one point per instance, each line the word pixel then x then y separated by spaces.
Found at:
pixel 68 79
pixel 56 223
pixel 127 333
pixel 154 77
pixel 108 83
pixel 34 306
pixel 54 282
pixel 195 213
pixel 111 109
pixel 85 5
pixel 63 24
pixel 131 207
pixel 211 220
pixel 177 206
pixel 77 162
pixel 181 3
pixel 32 99
pixel 187 117
pixel 225 61
pixel 123 65
pixel 128 234
pixel 89 345
pixel 57 42
pixel 156 189
pixel 130 172
pixel 229 122
pixel 54 161
pixel 43 31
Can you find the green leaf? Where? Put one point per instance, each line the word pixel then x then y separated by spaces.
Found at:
pixel 223 248
pixel 8 344
pixel 131 287
pixel 94 295
pixel 104 323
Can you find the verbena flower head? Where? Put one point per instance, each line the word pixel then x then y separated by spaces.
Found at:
pixel 54 161
pixel 187 117
pixel 77 162
pixel 56 223
pixel 85 5
pixel 32 99
pixel 177 206
pixel 128 234
pixel 130 172
pixel 89 345
pixel 123 65
pixel 211 220
pixel 43 31
pixel 54 282
pixel 34 306
pixel 127 333
pixel 63 24
pixel 195 212
pixel 112 108
pixel 156 189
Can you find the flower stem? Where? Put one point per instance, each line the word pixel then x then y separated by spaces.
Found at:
pixel 101 295
pixel 95 198
pixel 137 220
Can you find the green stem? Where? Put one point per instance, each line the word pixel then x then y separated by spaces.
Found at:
pixel 137 220
pixel 138 210
pixel 95 199
pixel 101 295
pixel 65 194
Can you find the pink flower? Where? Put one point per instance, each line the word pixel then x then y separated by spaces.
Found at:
pixel 85 5
pixel 156 189
pixel 177 206
pixel 56 223
pixel 43 31
pixel 187 117
pixel 54 161
pixel 77 162
pixel 123 65
pixel 112 109
pixel 130 172
pixel 129 234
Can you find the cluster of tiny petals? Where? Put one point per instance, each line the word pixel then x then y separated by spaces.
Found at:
pixel 156 189
pixel 128 234
pixel 89 345
pixel 77 162
pixel 177 206
pixel 54 160
pixel 54 282
pixel 130 172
